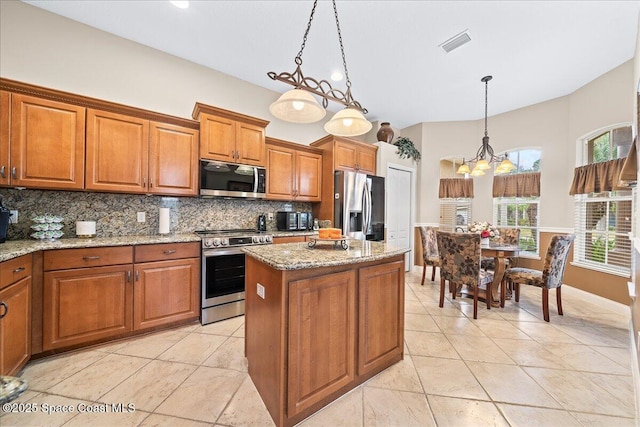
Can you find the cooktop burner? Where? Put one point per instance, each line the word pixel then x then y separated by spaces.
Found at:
pixel 235 237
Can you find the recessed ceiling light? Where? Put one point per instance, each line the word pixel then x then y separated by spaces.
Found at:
pixel 456 41
pixel 181 4
pixel 336 76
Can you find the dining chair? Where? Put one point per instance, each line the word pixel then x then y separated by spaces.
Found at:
pixel 508 236
pixel 460 264
pixel 429 251
pixel 549 277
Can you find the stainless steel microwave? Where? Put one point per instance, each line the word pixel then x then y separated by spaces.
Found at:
pixel 219 179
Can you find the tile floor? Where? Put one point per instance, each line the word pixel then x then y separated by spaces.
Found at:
pixel 508 367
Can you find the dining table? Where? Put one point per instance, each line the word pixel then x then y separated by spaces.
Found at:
pixel 500 253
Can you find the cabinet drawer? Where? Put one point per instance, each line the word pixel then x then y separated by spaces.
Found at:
pixel 163 251
pixel 14 269
pixel 63 259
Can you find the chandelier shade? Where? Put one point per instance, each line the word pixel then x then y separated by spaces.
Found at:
pixel 297 106
pixel 291 105
pixel 348 122
pixel 485 157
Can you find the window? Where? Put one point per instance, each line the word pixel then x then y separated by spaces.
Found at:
pixel 455 214
pixel 603 221
pixel 521 212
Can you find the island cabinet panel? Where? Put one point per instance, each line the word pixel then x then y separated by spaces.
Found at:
pixel 165 292
pixel 381 316
pixel 15 326
pixel 84 305
pixel 117 152
pixel 321 357
pixel 47 144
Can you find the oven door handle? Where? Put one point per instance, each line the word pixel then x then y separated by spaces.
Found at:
pixel 220 252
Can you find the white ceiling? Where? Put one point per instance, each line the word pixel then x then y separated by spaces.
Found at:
pixel 535 50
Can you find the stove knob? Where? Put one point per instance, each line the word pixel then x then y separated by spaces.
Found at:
pixel 263 239
pixel 255 239
pixel 225 241
pixel 216 241
pixel 207 243
pixel 268 239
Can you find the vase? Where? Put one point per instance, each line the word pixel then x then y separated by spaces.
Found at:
pixel 385 133
pixel 484 241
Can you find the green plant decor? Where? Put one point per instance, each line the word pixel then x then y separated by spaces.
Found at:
pixel 406 149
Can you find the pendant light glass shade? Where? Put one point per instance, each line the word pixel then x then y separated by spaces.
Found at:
pixel 297 106
pixel 477 171
pixel 483 165
pixel 348 122
pixel 506 165
pixel 464 168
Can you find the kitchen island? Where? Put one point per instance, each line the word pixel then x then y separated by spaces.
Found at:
pixel 320 321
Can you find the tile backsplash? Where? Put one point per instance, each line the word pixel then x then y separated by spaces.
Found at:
pixel 116 214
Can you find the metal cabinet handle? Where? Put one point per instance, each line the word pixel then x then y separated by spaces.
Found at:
pixel 144 182
pixel 150 183
pixel 169 251
pixel 18 270
pixel 6 309
pixel 91 258
pixel 2 169
pixel 137 275
pixel 14 172
pixel 128 275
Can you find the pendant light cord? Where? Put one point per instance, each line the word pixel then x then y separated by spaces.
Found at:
pixel 344 60
pixel 486 103
pixel 306 33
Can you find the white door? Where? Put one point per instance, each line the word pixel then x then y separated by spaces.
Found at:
pixel 398 190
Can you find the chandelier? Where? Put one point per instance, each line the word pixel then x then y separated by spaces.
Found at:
pixel 485 156
pixel 299 106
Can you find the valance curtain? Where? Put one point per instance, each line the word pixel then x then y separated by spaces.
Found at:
pixel 598 177
pixel 517 185
pixel 629 173
pixel 452 188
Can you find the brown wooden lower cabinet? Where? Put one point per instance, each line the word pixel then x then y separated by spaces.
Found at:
pixel 289 239
pixel 320 332
pixel 94 294
pixel 15 326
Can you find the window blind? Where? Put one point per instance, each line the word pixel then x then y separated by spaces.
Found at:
pixel 455 214
pixel 522 213
pixel 603 222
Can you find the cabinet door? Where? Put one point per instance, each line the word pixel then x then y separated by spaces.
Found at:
pixel 47 143
pixel 380 316
pixel 117 152
pixel 367 160
pixel 5 133
pixel 250 145
pixel 15 327
pixel 217 138
pixel 280 173
pixel 86 304
pixel 173 160
pixel 345 156
pixel 321 350
pixel 309 177
pixel 166 292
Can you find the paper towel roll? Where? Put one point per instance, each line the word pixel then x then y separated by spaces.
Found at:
pixel 164 221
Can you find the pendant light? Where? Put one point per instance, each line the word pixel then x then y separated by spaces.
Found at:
pixel 299 106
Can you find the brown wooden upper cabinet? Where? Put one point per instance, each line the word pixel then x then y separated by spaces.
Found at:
pixel 230 137
pixel 134 155
pixel 41 143
pixel 349 154
pixel 294 171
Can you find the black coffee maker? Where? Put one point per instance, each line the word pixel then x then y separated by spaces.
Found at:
pixel 5 214
pixel 262 223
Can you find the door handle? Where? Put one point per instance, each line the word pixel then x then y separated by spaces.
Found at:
pixel 18 270
pixel 144 182
pixel 14 172
pixel 91 258
pixel 128 275
pixel 150 183
pixel 2 169
pixel 169 251
pixel 137 275
pixel 6 309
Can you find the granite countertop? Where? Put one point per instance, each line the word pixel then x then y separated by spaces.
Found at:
pixel 299 256
pixel 293 233
pixel 15 248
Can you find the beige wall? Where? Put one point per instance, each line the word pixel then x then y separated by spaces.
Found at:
pixel 45 49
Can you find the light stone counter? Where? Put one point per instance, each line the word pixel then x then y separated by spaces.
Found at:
pixel 299 256
pixel 16 248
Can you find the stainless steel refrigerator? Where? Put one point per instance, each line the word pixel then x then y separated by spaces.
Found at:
pixel 359 205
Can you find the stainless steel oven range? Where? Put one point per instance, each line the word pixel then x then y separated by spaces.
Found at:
pixel 223 271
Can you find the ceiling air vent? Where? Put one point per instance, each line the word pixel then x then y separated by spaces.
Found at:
pixel 456 41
